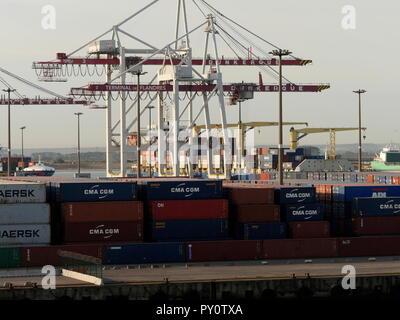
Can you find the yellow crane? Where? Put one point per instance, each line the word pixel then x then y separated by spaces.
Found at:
pixel 297 134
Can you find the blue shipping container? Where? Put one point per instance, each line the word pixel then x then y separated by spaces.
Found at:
pixel 264 230
pixel 93 191
pixel 182 190
pixel 304 212
pixel 348 193
pixel 295 195
pixel 376 207
pixel 141 253
pixel 189 229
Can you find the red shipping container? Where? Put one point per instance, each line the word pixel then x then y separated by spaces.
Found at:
pixel 257 213
pixel 281 249
pixel 369 246
pixel 264 176
pixel 319 248
pixel 41 256
pixel 103 231
pixel 376 225
pixel 250 194
pixel 309 229
pixel 188 209
pixel 77 212
pixel 231 250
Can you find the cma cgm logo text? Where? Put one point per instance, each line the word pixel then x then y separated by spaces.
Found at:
pixel 180 188
pixel 101 230
pixel 96 191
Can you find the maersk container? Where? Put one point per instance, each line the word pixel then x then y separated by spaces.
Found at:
pixel 376 207
pixel 10 257
pixel 261 230
pixel 25 213
pixel 304 212
pixel 143 253
pixel 93 191
pixel 295 195
pixel 182 190
pixel 22 192
pixel 190 229
pixel 24 234
pixel 348 193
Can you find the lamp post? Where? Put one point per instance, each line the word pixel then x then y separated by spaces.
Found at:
pixel 78 114
pixel 150 108
pixel 359 92
pixel 280 53
pixel 138 143
pixel 22 143
pixel 9 130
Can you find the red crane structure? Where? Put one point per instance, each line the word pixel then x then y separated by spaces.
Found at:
pixel 180 85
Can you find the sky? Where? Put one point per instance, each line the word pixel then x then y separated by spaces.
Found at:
pixel 363 57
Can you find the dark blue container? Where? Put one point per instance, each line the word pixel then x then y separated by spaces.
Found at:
pixel 264 230
pixel 182 190
pixel 93 191
pixel 376 207
pixel 295 195
pixel 304 212
pixel 141 253
pixel 348 193
pixel 189 229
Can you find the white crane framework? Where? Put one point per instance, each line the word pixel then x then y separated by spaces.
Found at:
pixel 177 73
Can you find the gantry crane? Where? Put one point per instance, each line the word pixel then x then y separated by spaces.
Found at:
pixel 179 80
pixel 297 134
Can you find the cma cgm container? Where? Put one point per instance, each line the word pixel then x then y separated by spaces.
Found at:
pixel 76 212
pixel 295 195
pixel 24 234
pixel 93 191
pixel 190 229
pixel 22 192
pixel 348 193
pixel 262 230
pixel 188 210
pixel 230 250
pixel 142 253
pixel 376 207
pixel 182 190
pixel 106 231
pixel 304 212
pixel 25 213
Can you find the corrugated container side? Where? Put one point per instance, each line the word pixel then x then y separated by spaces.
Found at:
pixel 77 212
pixel 261 230
pixel 281 249
pixel 376 225
pixel 223 250
pixel 41 256
pixel 304 212
pixel 348 193
pixel 25 213
pixel 188 209
pixel 103 231
pixel 369 246
pixel 319 248
pixel 189 229
pixel 22 192
pixel 25 234
pixel 250 195
pixel 182 190
pixel 144 253
pixel 309 229
pixel 257 213
pixel 94 191
pixel 10 257
pixel 295 195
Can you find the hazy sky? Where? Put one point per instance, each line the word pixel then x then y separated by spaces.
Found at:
pixel 364 57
